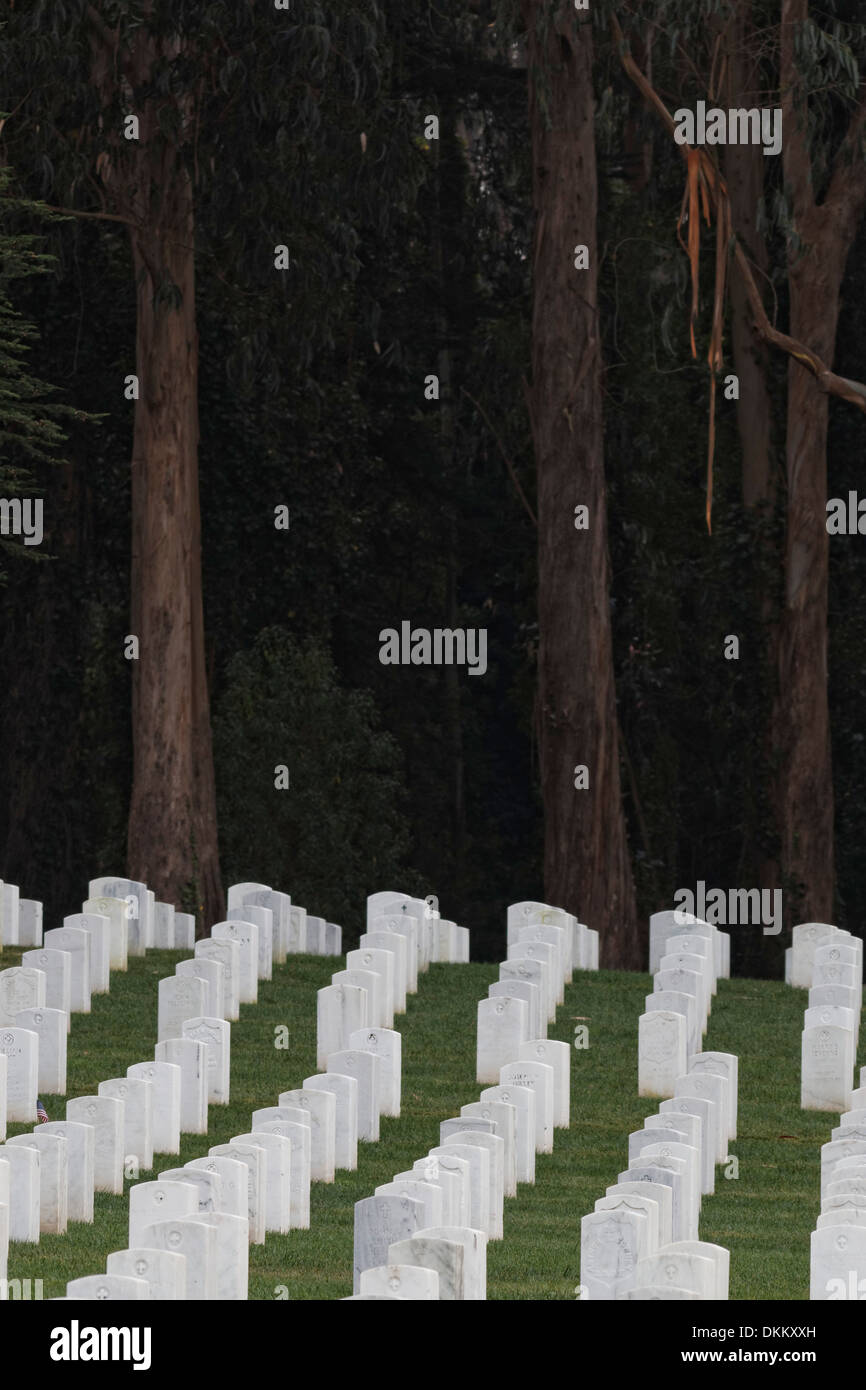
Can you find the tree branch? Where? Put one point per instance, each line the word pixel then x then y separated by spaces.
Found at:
pixel 508 464
pixel 852 391
pixel 100 216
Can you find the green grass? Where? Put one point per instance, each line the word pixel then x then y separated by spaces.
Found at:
pixel 764 1215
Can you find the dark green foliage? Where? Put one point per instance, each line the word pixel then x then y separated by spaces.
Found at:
pixel 338 830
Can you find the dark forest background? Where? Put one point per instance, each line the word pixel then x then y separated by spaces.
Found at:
pixel 408 253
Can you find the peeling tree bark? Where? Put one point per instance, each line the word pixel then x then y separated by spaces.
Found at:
pixel 587 869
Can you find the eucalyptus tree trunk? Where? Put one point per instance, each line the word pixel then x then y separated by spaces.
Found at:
pixel 172 833
pixel 587 868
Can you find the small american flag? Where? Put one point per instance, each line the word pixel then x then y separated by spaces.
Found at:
pixel 41 1113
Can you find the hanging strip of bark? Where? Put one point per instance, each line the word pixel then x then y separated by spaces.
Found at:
pixel 852 391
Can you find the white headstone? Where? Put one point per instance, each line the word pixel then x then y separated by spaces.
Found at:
pixel 503 1024
pixel 380 962
pixel 612 1243
pixel 98 928
pixel 805 939
pixel 231 1273
pixel 50 1027
pixel 255 1158
pixel 724 1064
pixel 163 1271
pixel 184 931
pixel 531 994
pixel 540 1078
pixel 299 1135
pixel 163 926
pixel 215 1033
pixel 647 1206
pixel 676 1268
pixel 105 1114
pixel 116 911
pixel 474 1245
pixel 263 918
pixel 228 954
pixel 677 1002
pixel 558 1056
pixel 838 1263
pixel 444 1257
pixel 504 1117
pixel 81 1147
pixel 23 1163
pixel 387 1045
pixel 56 966
pixel 398 946
pixel 427 1193
pixel 193 1238
pixel 345 1091
pixel 21 987
pixel 379 1223
pixel 21 1050
pixel 662 1054
pixel 53 1177
pixel 213 974
pixel 496 1150
pixel 246 934
pixel 523 1100
pixel 706 1086
pixel 29 922
pixel 137 1098
pixel 827 1063
pixel 165 1079
pixel 479 1164
pixel 139 932
pixel 341 1009
pixel 192 1058
pixel 364 1066
pixel 321 1106
pixel 278 1160
pixel 180 998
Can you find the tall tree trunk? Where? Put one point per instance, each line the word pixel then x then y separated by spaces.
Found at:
pixel 587 869
pixel 172 836
pixel 744 167
pixel 801 717
pixel 744 172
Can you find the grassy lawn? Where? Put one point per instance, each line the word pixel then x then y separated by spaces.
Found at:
pixel 764 1215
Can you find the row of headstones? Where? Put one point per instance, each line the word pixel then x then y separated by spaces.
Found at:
pixel 145 1109
pixel 838 1246
pixel 404 937
pixel 545 945
pixel 137 920
pixel 47 1178
pixel 58 977
pixel 687 959
pixel 642 1239
pixel 424 1234
pixel 829 963
pixel 20 918
pixel 311 1132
